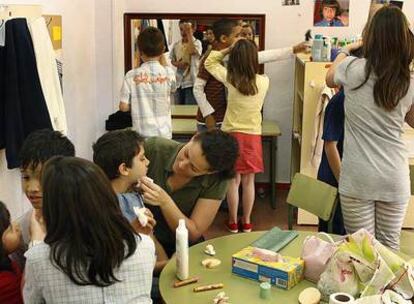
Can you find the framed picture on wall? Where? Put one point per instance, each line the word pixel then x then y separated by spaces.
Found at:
pixel 331 13
pixel 290 2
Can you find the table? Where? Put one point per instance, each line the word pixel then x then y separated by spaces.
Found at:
pixel 240 290
pixel 184 129
pixel 183 111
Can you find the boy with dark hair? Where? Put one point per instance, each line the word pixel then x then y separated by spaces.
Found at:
pixel 330 166
pixel 39 146
pixel 121 155
pixel 185 56
pixel 209 35
pixel 146 90
pixel 210 93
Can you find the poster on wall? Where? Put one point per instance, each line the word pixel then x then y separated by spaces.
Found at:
pixel 331 13
pixel 54 27
pixel 290 2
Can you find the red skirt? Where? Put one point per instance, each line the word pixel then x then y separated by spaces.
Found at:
pixel 250 158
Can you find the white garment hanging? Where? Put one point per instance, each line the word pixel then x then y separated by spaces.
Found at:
pixel 2 32
pixel 48 73
pixel 317 141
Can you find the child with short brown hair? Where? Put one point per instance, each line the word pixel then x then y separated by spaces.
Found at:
pixel 146 90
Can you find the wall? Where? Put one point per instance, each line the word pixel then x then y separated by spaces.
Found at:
pixel 84 105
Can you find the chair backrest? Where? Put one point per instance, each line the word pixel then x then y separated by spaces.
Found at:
pixel 406 243
pixel 312 195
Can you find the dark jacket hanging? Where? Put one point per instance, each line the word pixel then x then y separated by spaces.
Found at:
pixel 25 108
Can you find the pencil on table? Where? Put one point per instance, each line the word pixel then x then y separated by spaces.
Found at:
pixel 186 282
pixel 208 287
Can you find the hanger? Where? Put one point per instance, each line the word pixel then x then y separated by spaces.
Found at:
pixel 19 11
pixel 5 8
pixel 49 22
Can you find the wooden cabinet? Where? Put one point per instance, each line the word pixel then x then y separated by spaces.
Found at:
pixel 409 139
pixel 309 82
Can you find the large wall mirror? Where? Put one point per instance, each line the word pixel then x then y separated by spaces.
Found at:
pixel 168 23
pixel 134 23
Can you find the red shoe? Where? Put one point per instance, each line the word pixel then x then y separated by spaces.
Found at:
pixel 232 227
pixel 247 227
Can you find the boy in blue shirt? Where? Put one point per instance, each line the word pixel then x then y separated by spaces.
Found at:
pixel 121 155
pixel 329 169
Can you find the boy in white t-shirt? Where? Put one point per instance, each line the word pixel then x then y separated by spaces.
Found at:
pixel 146 90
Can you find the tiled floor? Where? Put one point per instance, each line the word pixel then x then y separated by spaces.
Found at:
pixel 263 217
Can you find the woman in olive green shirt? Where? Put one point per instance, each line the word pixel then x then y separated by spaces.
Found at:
pixel 190 181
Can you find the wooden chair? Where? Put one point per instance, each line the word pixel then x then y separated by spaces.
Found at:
pixel 314 196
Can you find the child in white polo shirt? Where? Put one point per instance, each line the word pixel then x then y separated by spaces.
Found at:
pixel 146 90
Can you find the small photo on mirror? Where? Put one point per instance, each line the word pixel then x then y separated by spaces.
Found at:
pixel 290 2
pixel 331 13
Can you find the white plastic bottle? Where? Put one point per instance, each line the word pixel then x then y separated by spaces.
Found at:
pixel 317 48
pixel 181 249
pixel 328 49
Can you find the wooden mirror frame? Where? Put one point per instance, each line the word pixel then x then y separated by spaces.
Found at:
pixel 130 16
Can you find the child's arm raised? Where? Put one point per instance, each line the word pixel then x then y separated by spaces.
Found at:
pixel 214 67
pixel 201 98
pixel 281 54
pixel 330 75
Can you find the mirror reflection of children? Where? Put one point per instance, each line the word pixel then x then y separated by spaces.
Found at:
pixel 330 10
pixel 208 40
pixel 247 31
pixel 185 56
pixel 210 35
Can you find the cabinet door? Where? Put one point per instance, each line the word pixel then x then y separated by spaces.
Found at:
pixel 314 82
